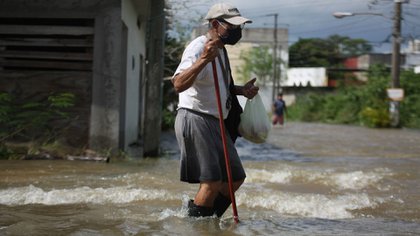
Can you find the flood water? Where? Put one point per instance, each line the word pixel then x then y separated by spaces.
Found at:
pixel 284 194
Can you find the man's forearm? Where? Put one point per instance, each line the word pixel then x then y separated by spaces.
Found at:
pixel 186 79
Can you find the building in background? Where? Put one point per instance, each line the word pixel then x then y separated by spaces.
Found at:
pixel 109 53
pixel 412 55
pixel 307 77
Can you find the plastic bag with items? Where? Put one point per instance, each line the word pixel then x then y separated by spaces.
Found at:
pixel 255 124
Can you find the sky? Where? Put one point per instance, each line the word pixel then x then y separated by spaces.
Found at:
pixel 313 18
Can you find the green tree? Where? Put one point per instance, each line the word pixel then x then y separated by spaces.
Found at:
pixel 310 52
pixel 257 62
pixel 317 52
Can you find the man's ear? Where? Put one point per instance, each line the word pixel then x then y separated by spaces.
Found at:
pixel 214 23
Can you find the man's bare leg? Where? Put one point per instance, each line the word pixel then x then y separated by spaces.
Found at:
pixel 207 193
pixel 204 199
pixel 222 201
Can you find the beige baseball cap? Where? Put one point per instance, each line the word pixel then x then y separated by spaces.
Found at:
pixel 228 13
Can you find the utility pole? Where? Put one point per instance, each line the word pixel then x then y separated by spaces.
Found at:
pixel 273 97
pixel 278 87
pixel 396 94
pixel 395 71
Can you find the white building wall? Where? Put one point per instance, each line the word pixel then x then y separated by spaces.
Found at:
pixel 414 46
pixel 308 76
pixel 136 46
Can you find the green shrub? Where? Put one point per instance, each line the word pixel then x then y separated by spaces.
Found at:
pixel 347 114
pixel 374 118
pixel 168 119
pixel 410 106
pixel 410 111
pixel 341 107
pixel 306 108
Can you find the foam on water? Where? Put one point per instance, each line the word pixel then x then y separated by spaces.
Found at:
pixel 181 213
pixel 309 205
pixel 358 179
pixel 345 191
pixel 258 175
pixel 354 180
pixel 124 194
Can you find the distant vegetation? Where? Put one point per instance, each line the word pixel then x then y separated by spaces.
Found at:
pixel 362 104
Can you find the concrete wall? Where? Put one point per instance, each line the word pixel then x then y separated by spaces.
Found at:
pixel 104 93
pixel 106 72
pixel 365 61
pixel 55 8
pixel 105 119
pixel 104 125
pixel 154 79
pixel 130 115
pixel 125 98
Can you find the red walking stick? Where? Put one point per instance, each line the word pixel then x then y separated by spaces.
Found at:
pixel 225 150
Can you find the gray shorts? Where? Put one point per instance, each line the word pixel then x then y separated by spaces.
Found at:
pixel 202 156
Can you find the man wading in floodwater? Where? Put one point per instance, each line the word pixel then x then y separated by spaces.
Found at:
pixel 196 125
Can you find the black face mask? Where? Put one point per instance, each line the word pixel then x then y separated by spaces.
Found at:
pixel 234 35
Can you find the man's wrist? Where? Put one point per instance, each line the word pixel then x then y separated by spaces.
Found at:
pixel 239 90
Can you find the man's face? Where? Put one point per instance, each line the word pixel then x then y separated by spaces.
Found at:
pixel 228 33
pixel 225 27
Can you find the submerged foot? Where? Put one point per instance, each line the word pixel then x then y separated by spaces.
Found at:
pixel 199 211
